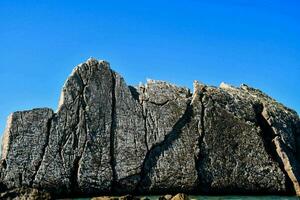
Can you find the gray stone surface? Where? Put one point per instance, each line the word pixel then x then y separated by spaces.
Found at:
pixel 170 143
pixel 24 142
pixel 110 138
pixel 234 156
pixel 129 137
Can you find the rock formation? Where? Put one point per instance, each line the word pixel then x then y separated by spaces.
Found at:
pixel 110 138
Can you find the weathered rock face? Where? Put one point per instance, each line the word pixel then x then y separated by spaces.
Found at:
pixel 110 138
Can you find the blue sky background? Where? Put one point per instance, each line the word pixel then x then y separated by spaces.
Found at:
pixel 256 42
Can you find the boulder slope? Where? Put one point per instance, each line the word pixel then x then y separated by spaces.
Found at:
pixel 110 138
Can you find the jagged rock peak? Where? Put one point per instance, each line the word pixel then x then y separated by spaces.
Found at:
pixel 110 138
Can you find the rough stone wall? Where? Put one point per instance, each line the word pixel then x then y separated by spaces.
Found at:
pixel 109 138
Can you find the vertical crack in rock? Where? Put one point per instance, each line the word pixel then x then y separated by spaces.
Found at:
pixel 153 154
pixel 49 125
pixel 144 113
pixel 81 124
pixel 78 156
pixel 274 147
pixel 146 131
pixel 112 134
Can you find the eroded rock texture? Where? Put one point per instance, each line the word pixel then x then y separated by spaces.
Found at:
pixel 110 138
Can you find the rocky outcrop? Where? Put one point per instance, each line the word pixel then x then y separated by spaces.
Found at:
pixel 110 138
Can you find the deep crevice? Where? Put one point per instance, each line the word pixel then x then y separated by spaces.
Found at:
pixel 144 113
pixel 112 134
pixel 73 177
pixel 153 154
pixel 267 136
pixel 267 132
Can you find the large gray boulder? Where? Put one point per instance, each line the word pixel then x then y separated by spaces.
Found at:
pixel 110 138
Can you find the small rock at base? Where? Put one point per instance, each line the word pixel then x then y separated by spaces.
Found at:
pixel 180 196
pixel 166 197
pixel 126 197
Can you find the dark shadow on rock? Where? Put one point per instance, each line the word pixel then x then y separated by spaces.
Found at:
pixel 267 135
pixel 135 94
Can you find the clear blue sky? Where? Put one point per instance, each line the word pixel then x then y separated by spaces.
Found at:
pixel 256 42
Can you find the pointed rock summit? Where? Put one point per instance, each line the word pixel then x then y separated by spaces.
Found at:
pixel 110 138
